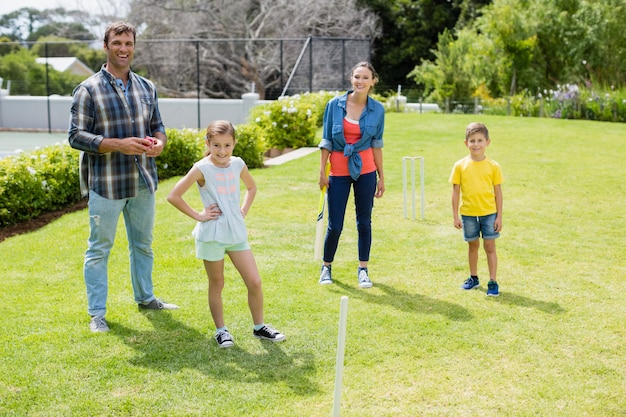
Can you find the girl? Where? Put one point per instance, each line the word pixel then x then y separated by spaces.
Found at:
pixel 221 228
pixel 352 141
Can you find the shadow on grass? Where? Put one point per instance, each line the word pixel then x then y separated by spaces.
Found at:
pixel 172 346
pixel 506 297
pixel 405 301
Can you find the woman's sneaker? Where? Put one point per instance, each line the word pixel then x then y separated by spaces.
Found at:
pixel 269 333
pixel 492 289
pixel 325 275
pixel 364 279
pixel 470 283
pixel 224 339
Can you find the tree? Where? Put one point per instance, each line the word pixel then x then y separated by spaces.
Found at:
pixel 460 67
pixel 537 45
pixel 410 32
pixel 28 24
pixel 229 68
pixel 29 78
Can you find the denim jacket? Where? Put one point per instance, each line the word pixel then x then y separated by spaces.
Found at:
pixel 371 123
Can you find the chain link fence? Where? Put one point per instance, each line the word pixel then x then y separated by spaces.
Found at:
pixel 206 68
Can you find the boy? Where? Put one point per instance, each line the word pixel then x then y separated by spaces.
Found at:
pixel 476 184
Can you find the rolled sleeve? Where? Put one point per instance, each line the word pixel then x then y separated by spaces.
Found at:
pixel 81 123
pixel 325 144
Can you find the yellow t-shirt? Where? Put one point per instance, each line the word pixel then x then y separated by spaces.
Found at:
pixel 477 181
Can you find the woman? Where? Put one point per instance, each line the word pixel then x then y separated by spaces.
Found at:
pixel 352 141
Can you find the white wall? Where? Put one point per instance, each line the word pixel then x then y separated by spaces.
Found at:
pixel 31 112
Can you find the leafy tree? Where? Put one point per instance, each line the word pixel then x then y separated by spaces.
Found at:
pixel 514 37
pixel 410 32
pixel 29 78
pixel 7 45
pixel 534 45
pixel 28 24
pixel 457 70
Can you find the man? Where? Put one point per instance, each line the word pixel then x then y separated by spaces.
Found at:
pixel 116 124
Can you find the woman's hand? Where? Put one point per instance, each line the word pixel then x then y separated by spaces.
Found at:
pixel 324 182
pixel 380 188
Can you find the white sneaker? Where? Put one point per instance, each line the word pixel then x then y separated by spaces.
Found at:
pixel 98 324
pixel 224 339
pixel 364 279
pixel 325 275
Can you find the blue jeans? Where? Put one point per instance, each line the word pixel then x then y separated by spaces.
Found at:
pixel 475 226
pixel 338 193
pixel 103 217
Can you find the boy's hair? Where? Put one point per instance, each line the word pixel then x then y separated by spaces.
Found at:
pixel 476 127
pixel 117 28
pixel 219 127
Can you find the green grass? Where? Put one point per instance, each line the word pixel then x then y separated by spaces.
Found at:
pixel 552 344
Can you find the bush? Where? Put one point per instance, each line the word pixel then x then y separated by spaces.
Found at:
pixel 33 183
pixel 250 145
pixel 318 102
pixel 287 123
pixel 38 182
pixel 184 147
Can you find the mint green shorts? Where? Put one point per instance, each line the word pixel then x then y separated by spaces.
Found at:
pixel 215 251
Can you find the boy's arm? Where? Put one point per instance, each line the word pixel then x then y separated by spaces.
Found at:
pixel 456 193
pixel 498 192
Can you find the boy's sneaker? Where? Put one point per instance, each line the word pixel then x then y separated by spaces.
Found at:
pixel 470 283
pixel 325 275
pixel 98 324
pixel 364 279
pixel 492 289
pixel 158 304
pixel 224 339
pixel 269 333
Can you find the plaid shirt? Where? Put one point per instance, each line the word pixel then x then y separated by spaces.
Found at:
pixel 100 109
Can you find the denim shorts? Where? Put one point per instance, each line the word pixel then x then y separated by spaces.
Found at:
pixel 215 251
pixel 475 226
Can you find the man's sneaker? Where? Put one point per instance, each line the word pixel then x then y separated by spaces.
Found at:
pixel 492 289
pixel 158 304
pixel 470 283
pixel 269 333
pixel 224 339
pixel 325 275
pixel 98 324
pixel 364 279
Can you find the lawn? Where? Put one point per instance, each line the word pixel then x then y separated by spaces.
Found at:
pixel 551 345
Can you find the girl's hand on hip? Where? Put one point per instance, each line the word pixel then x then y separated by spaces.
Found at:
pixel 210 213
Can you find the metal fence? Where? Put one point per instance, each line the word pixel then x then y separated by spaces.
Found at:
pixel 225 68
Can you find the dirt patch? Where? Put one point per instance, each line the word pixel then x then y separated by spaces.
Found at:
pixel 39 222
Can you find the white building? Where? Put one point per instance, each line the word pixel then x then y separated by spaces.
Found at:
pixel 69 63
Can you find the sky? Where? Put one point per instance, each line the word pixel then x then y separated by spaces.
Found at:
pixel 92 6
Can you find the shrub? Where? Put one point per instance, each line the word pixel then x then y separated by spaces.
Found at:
pixel 318 102
pixel 250 145
pixel 37 182
pixel 184 147
pixel 286 123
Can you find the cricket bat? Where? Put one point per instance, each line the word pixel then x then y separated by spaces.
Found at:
pixel 321 229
